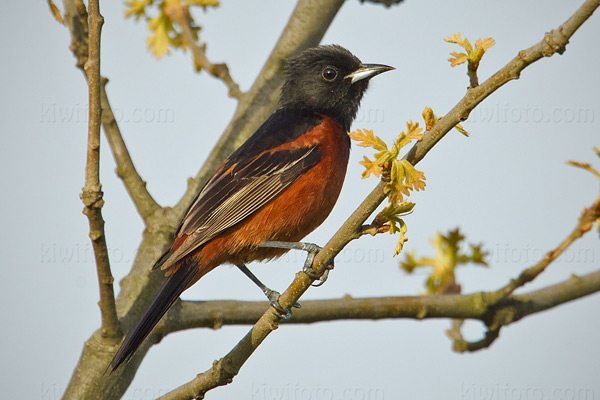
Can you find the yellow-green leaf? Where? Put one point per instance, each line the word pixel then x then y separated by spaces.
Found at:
pixel 396 187
pixel 586 166
pixel 429 118
pixel 413 132
pixel 404 208
pixel 448 255
pixel 366 138
pixel 160 25
pixel 485 43
pixel 457 58
pixel 410 262
pixel 136 8
pixel 403 178
pixel 473 56
pixel 477 256
pixel 455 38
pixel 396 173
pixel 464 43
pixel 462 130
pixel 393 213
pixel 414 178
pixel 480 47
pixel 55 12
pixel 402 239
pixel 371 167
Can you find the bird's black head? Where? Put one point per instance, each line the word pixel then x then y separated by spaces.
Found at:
pixel 329 80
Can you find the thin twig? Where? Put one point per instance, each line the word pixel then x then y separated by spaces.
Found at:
pixel 223 371
pixel 92 191
pixel 461 345
pixel 584 224
pixel 473 80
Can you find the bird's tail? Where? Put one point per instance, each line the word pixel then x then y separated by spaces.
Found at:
pixel 184 277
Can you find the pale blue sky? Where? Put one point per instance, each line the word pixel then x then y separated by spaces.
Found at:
pixel 507 186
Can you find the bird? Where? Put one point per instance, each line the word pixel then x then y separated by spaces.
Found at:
pixel 272 191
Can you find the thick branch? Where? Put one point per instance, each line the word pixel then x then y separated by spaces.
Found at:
pixel 76 20
pixel 92 191
pixel 223 371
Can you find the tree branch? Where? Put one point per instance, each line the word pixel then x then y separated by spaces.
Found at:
pixel 224 370
pixel 473 79
pixel 584 224
pixel 76 20
pixel 92 191
pixel 478 306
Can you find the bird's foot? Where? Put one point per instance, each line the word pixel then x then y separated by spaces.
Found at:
pixel 321 278
pixel 312 250
pixel 273 297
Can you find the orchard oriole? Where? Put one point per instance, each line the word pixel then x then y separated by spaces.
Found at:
pixel 278 186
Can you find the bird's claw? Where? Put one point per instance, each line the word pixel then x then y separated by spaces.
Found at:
pixel 273 297
pixel 308 269
pixel 322 279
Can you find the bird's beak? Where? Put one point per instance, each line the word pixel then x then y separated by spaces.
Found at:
pixel 367 71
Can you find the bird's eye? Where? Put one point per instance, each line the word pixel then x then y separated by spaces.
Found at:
pixel 329 74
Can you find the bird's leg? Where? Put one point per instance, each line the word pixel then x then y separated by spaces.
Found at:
pixel 271 294
pixel 312 250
